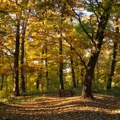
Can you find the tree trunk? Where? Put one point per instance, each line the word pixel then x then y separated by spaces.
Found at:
pixel 37 83
pixel 62 9
pixel 72 69
pixel 16 60
pixel 97 74
pixel 87 83
pixel 47 79
pixel 113 61
pixel 24 25
pixel 82 73
pixel 61 65
pixel 22 60
pixel 39 79
pixel 46 65
pixel 2 79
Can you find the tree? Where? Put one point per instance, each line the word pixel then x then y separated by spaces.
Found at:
pixel 16 60
pixel 113 64
pixel 52 43
pixel 72 69
pixel 62 8
pixel 87 85
pixel 96 41
pixel 24 27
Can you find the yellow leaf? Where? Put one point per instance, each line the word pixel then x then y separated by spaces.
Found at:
pixel 1 21
pixel 34 34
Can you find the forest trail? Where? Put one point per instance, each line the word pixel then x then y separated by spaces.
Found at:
pixel 105 107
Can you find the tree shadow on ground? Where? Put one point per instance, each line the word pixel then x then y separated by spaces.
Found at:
pixel 69 108
pixel 74 115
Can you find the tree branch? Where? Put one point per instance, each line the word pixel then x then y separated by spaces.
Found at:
pixel 79 19
pixel 7 49
pixel 80 56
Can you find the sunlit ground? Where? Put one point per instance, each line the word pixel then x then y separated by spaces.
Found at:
pixel 68 108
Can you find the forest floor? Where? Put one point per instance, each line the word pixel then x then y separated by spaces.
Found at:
pixel 104 107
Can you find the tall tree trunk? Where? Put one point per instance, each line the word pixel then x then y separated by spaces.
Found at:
pixel 82 74
pixel 62 9
pixel 45 51
pixel 87 83
pixel 22 60
pixel 47 79
pixel 24 26
pixel 97 73
pixel 45 48
pixel 38 80
pixel 72 69
pixel 61 65
pixel 16 60
pixel 2 74
pixel 2 79
pixel 113 61
pixel 25 21
pixel 37 83
pixel 46 65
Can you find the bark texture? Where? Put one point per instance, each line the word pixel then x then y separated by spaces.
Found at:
pixel 87 83
pixel 113 64
pixel 16 60
pixel 61 65
pixel 23 89
pixel 72 69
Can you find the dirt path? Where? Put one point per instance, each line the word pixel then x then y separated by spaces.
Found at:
pixel 69 108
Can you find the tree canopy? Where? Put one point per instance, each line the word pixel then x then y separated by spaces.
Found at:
pixel 46 45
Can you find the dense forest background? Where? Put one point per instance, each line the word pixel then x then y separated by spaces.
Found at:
pixel 58 45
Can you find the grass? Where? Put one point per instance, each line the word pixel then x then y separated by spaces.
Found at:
pixel 77 92
pixel 115 91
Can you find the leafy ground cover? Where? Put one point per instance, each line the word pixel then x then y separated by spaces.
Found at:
pixel 104 107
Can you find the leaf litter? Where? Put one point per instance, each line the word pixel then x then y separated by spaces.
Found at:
pixel 104 107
